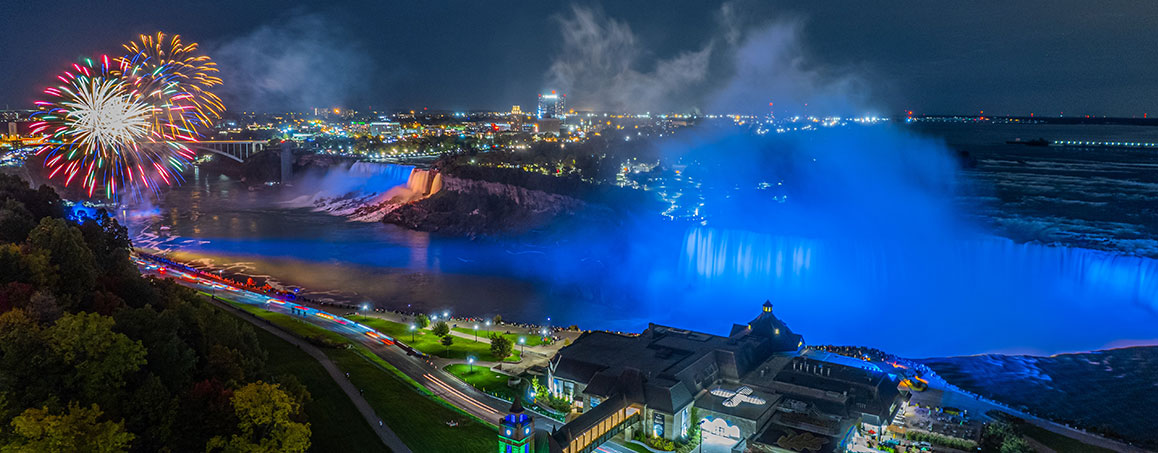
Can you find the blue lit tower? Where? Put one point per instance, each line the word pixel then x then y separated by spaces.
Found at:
pixel 517 430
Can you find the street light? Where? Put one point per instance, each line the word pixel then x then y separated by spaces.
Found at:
pixel 476 332
pixel 412 333
pixel 470 360
pixel 523 347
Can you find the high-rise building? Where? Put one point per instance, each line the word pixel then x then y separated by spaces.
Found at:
pixel 516 118
pixel 552 105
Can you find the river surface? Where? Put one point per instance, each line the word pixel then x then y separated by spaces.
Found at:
pixel 1088 290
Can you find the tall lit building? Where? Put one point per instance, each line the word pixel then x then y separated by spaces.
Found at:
pixel 552 105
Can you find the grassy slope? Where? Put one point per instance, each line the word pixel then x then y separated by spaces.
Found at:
pixel 291 324
pixel 416 416
pixel 334 421
pixel 419 419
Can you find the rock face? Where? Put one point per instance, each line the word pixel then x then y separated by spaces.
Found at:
pixel 473 207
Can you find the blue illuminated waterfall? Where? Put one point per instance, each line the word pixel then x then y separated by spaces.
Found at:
pixel 956 287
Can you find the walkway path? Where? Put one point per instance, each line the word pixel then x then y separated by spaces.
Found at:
pixel 388 437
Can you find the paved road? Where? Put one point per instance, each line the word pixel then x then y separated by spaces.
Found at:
pixel 384 432
pixel 426 373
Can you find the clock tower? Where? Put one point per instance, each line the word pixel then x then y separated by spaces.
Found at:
pixel 517 430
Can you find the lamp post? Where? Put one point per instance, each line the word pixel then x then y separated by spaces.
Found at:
pixel 522 347
pixel 488 323
pixel 412 326
pixel 470 360
pixel 476 333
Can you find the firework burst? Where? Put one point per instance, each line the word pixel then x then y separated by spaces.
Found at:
pixel 175 77
pixel 124 122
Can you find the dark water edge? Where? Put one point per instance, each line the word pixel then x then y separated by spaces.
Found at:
pixel 1111 392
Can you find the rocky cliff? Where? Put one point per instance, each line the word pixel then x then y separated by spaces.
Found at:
pixel 473 207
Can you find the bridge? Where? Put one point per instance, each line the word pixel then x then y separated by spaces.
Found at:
pixel 587 432
pixel 1104 144
pixel 238 150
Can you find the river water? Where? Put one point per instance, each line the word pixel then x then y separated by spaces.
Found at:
pixel 914 298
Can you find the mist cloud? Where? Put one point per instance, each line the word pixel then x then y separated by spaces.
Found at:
pixel 603 66
pixel 300 62
pixel 599 66
pixel 769 64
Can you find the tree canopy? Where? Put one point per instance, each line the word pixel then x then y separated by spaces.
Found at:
pixel 79 429
pixel 501 347
pixel 95 357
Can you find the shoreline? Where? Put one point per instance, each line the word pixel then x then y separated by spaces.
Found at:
pixel 334 300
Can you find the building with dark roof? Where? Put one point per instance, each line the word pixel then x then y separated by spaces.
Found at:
pixel 742 385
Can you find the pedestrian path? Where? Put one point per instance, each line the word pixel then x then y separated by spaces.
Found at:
pixel 384 432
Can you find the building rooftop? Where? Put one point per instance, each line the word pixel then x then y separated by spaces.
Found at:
pixel 674 364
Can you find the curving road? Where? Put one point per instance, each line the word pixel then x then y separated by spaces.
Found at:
pixel 425 372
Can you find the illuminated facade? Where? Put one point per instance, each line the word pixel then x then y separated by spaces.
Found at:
pixel 552 105
pixel 749 383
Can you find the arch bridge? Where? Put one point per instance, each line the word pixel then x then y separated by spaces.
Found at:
pixel 238 150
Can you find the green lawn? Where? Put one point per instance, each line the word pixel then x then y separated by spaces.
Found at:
pixel 635 447
pixel 483 379
pixel 427 342
pixel 335 423
pixel 418 418
pixel 532 340
pixel 297 326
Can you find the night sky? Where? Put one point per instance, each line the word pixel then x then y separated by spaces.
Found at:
pixel 1002 57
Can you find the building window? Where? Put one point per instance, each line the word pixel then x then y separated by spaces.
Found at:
pixel 595 400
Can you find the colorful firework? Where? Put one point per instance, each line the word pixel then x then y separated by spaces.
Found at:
pixel 124 122
pixel 176 78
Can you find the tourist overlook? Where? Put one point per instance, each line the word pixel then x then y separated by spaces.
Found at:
pixel 578 227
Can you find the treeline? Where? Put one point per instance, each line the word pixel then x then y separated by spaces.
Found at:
pixel 94 357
